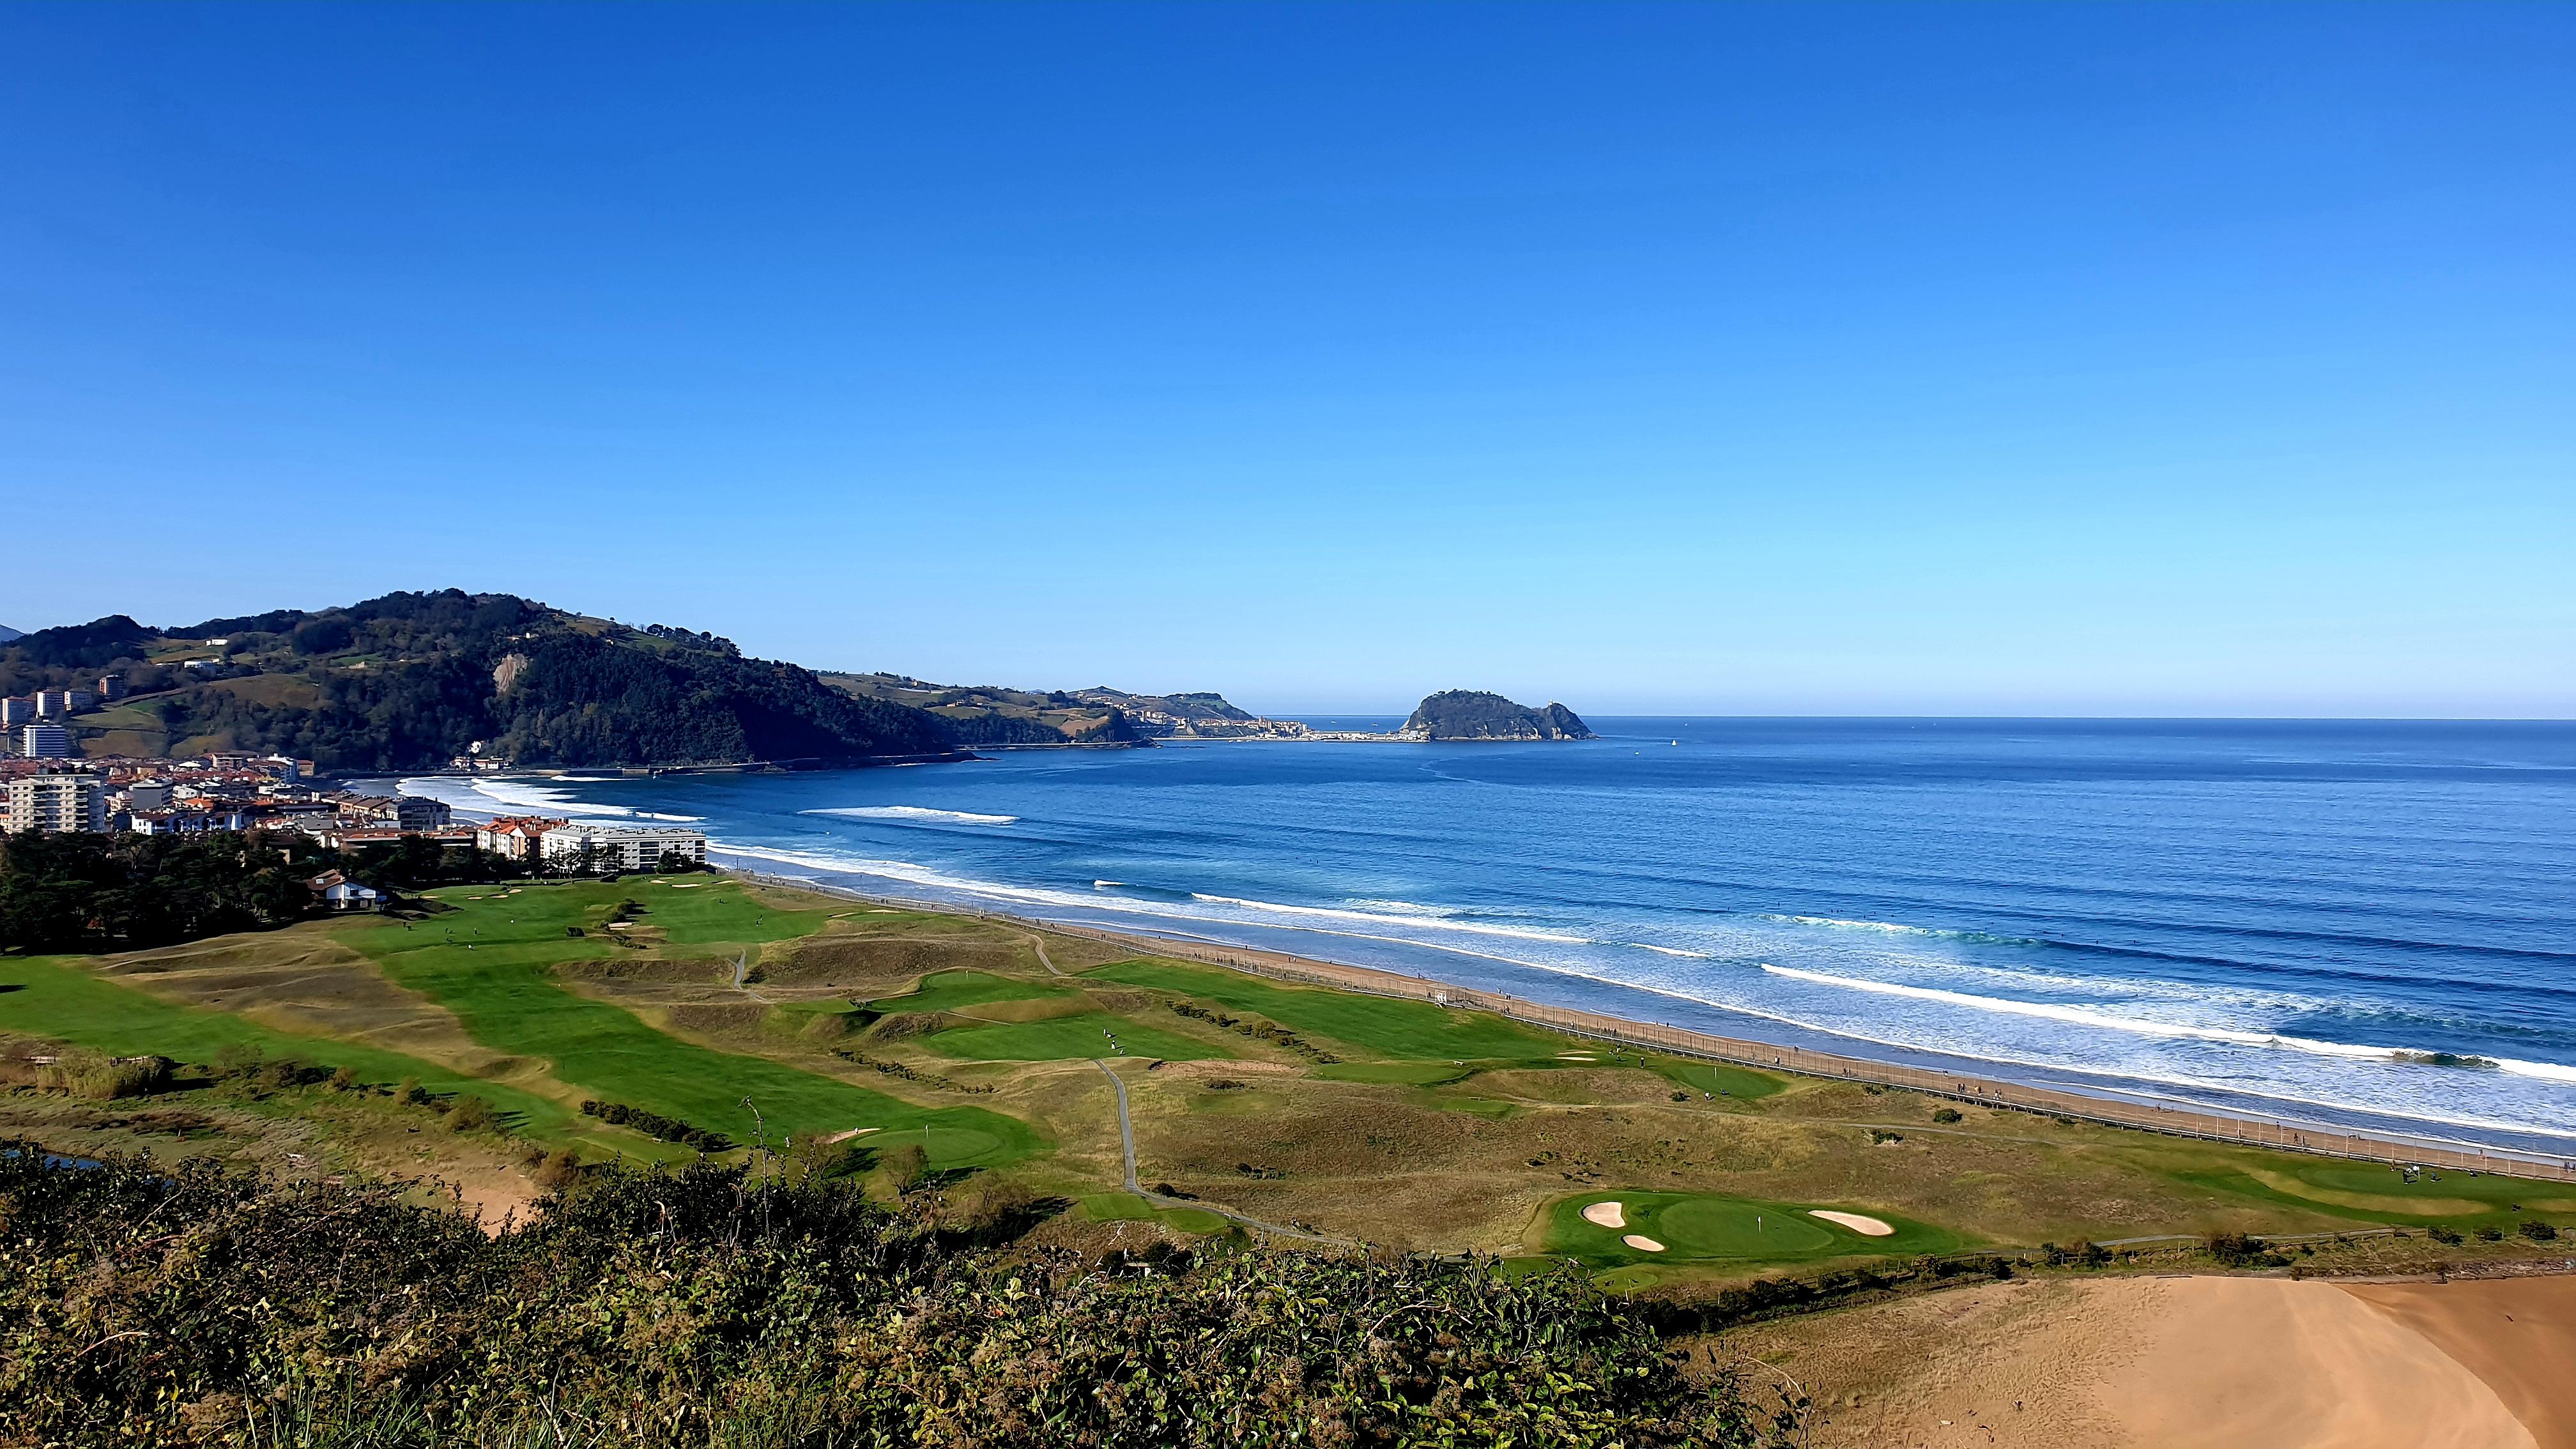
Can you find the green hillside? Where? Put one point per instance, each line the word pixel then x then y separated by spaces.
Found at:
pixel 413 679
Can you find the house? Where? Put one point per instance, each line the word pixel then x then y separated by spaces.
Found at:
pixel 340 893
pixel 515 836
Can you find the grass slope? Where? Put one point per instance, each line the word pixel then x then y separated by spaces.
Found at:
pixel 1065 1038
pixel 949 990
pixel 489 964
pixel 57 998
pixel 1371 1024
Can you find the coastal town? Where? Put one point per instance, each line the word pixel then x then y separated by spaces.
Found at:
pixel 52 790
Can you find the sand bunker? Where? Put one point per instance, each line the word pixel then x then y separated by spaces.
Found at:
pixel 1605 1215
pixel 1642 1243
pixel 846 1136
pixel 1867 1227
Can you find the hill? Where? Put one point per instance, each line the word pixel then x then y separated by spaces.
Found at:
pixel 411 680
pixel 1468 714
pixel 991 715
pixel 1199 715
pixel 7 634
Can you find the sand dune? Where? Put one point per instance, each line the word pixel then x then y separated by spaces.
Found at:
pixel 2192 1363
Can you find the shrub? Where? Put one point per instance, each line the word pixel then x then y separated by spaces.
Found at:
pixel 470 1114
pixel 2238 1250
pixel 2491 1234
pixel 345 1079
pixel 2537 1231
pixel 654 1124
pixel 1946 1114
pixel 2441 1234
pixel 705 1307
pixel 904 1166
pixel 103 1079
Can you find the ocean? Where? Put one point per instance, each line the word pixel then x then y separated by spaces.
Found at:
pixel 2354 924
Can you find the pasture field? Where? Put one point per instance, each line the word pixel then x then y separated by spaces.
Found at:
pixel 763 1014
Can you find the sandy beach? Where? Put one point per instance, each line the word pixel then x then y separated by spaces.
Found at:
pixel 2191 1363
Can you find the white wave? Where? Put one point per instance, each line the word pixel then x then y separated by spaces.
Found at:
pixel 2081 1016
pixel 1379 918
pixel 1102 885
pixel 1888 927
pixel 518 795
pixel 2545 1071
pixel 664 815
pixel 1403 908
pixel 526 796
pixel 1670 950
pixel 915 812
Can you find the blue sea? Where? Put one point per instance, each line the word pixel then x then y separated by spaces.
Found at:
pixel 2291 918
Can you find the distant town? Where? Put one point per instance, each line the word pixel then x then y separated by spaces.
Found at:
pixel 51 791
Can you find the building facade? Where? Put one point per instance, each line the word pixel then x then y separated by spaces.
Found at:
pixel 620 847
pixel 44 742
pixel 58 802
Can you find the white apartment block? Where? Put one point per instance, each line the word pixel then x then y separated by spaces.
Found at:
pixel 620 847
pixel 58 803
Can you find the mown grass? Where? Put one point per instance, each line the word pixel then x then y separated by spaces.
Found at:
pixel 1065 1038
pixel 1377 1025
pixel 489 964
pixel 1701 1227
pixel 58 999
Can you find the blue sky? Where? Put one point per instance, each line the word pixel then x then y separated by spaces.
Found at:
pixel 2082 360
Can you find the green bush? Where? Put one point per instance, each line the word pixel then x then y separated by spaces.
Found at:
pixel 164 1303
pixel 1946 1114
pixel 2538 1232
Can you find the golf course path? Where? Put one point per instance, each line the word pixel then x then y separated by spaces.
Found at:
pixel 1127 1142
pixel 1126 1129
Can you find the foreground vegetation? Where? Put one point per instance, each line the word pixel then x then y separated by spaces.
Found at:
pixel 709 1306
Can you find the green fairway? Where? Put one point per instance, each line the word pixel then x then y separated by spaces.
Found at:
pixel 2377 1193
pixel 1067 1037
pixel 1701 1227
pixel 57 998
pixel 949 990
pixel 1374 1024
pixel 1127 1207
pixel 488 964
pixel 1742 1083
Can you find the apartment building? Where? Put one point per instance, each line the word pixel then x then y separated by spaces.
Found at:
pixel 44 742
pixel 620 847
pixel 58 802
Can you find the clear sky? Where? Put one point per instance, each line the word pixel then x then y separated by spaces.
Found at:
pixel 1710 359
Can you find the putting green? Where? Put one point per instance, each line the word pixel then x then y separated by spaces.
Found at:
pixel 1712 1227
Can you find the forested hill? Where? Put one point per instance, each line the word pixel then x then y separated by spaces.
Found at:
pixel 1468 714
pixel 412 680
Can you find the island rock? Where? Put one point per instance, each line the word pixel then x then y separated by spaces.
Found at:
pixel 1468 714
